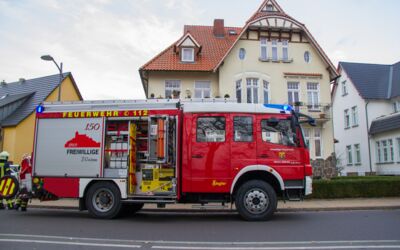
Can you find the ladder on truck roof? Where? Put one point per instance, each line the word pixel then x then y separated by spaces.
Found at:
pixel 128 104
pixel 159 104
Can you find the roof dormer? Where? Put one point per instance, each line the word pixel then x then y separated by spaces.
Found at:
pixel 188 48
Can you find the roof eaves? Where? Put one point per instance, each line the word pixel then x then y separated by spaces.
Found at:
pixel 389 90
pixel 190 37
pixel 314 42
pixel 75 85
pixel 352 82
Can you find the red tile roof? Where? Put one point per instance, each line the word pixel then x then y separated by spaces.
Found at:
pixel 213 50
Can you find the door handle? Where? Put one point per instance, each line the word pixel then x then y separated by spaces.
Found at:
pixel 197 156
pixel 263 156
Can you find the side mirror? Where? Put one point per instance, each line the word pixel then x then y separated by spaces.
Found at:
pixel 312 122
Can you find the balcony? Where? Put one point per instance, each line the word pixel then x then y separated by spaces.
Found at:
pixel 320 112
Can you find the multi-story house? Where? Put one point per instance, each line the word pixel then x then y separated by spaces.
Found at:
pixel 18 102
pixel 366 115
pixel 272 59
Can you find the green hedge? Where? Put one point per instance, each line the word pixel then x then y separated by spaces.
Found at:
pixel 357 187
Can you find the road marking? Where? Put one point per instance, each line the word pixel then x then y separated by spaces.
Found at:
pixel 70 243
pixel 277 248
pixel 271 245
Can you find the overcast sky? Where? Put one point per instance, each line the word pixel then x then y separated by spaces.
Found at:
pixel 104 42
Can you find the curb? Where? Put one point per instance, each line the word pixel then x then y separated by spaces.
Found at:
pixel 283 210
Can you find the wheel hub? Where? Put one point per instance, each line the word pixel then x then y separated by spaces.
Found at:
pixel 103 200
pixel 256 201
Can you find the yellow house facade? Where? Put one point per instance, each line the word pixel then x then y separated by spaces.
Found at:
pixel 272 59
pixel 18 102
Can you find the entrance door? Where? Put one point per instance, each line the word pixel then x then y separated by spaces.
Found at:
pixel 210 153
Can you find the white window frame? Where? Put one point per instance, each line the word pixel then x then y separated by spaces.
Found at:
pixel 307 133
pixel 263 48
pixel 202 89
pixel 349 155
pixel 384 151
pixel 313 96
pixel 318 137
pixel 285 50
pixel 396 106
pixel 311 136
pixel 346 118
pixel 398 149
pixel 357 154
pixel 354 116
pixel 252 86
pixel 266 92
pixel 191 51
pixel 344 88
pixel 239 88
pixel 293 88
pixel 274 46
pixel 175 85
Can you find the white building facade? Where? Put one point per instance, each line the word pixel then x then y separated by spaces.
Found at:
pixel 365 116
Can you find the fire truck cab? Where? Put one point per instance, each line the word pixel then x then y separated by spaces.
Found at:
pixel 119 155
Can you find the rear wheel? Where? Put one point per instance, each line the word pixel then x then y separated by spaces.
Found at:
pixel 256 201
pixel 103 200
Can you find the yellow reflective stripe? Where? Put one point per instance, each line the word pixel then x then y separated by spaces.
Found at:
pixel 12 188
pixel 5 191
pixel 2 184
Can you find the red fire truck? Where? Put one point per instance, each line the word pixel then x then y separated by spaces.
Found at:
pixel 116 155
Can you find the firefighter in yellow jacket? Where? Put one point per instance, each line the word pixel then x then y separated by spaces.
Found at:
pixel 5 171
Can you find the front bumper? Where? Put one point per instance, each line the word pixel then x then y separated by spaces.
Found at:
pixel 308 186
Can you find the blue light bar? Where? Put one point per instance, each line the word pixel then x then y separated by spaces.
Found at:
pixel 39 109
pixel 284 107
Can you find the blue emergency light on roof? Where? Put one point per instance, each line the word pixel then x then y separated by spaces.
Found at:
pixel 39 109
pixel 284 107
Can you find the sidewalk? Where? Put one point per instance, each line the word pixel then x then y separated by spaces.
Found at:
pixel 307 205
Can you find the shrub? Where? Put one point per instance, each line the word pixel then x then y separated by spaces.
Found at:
pixel 357 187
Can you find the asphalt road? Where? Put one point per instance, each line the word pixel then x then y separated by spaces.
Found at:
pixel 68 229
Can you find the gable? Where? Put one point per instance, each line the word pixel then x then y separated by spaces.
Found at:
pixel 270 6
pixel 39 88
pixel 372 81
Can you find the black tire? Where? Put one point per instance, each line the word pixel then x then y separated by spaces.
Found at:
pixel 103 200
pixel 256 201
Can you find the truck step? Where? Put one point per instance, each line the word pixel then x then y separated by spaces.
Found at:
pixel 294 194
pixel 209 206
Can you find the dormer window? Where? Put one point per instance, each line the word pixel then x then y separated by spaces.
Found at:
pixel 187 54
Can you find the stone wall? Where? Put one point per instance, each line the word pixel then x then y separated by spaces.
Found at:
pixel 325 169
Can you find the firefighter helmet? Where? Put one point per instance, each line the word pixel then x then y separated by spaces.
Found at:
pixel 4 155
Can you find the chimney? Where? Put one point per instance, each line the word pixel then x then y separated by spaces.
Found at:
pixel 219 30
pixel 3 83
pixel 22 80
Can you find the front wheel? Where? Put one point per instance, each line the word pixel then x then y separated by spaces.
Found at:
pixel 103 200
pixel 256 201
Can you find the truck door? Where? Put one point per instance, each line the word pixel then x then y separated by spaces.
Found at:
pixel 277 146
pixel 243 145
pixel 210 153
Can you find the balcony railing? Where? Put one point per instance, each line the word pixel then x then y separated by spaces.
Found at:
pixel 320 111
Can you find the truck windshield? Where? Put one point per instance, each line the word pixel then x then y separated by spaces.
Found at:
pixel 278 132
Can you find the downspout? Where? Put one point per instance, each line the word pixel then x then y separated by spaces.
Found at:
pixel 369 143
